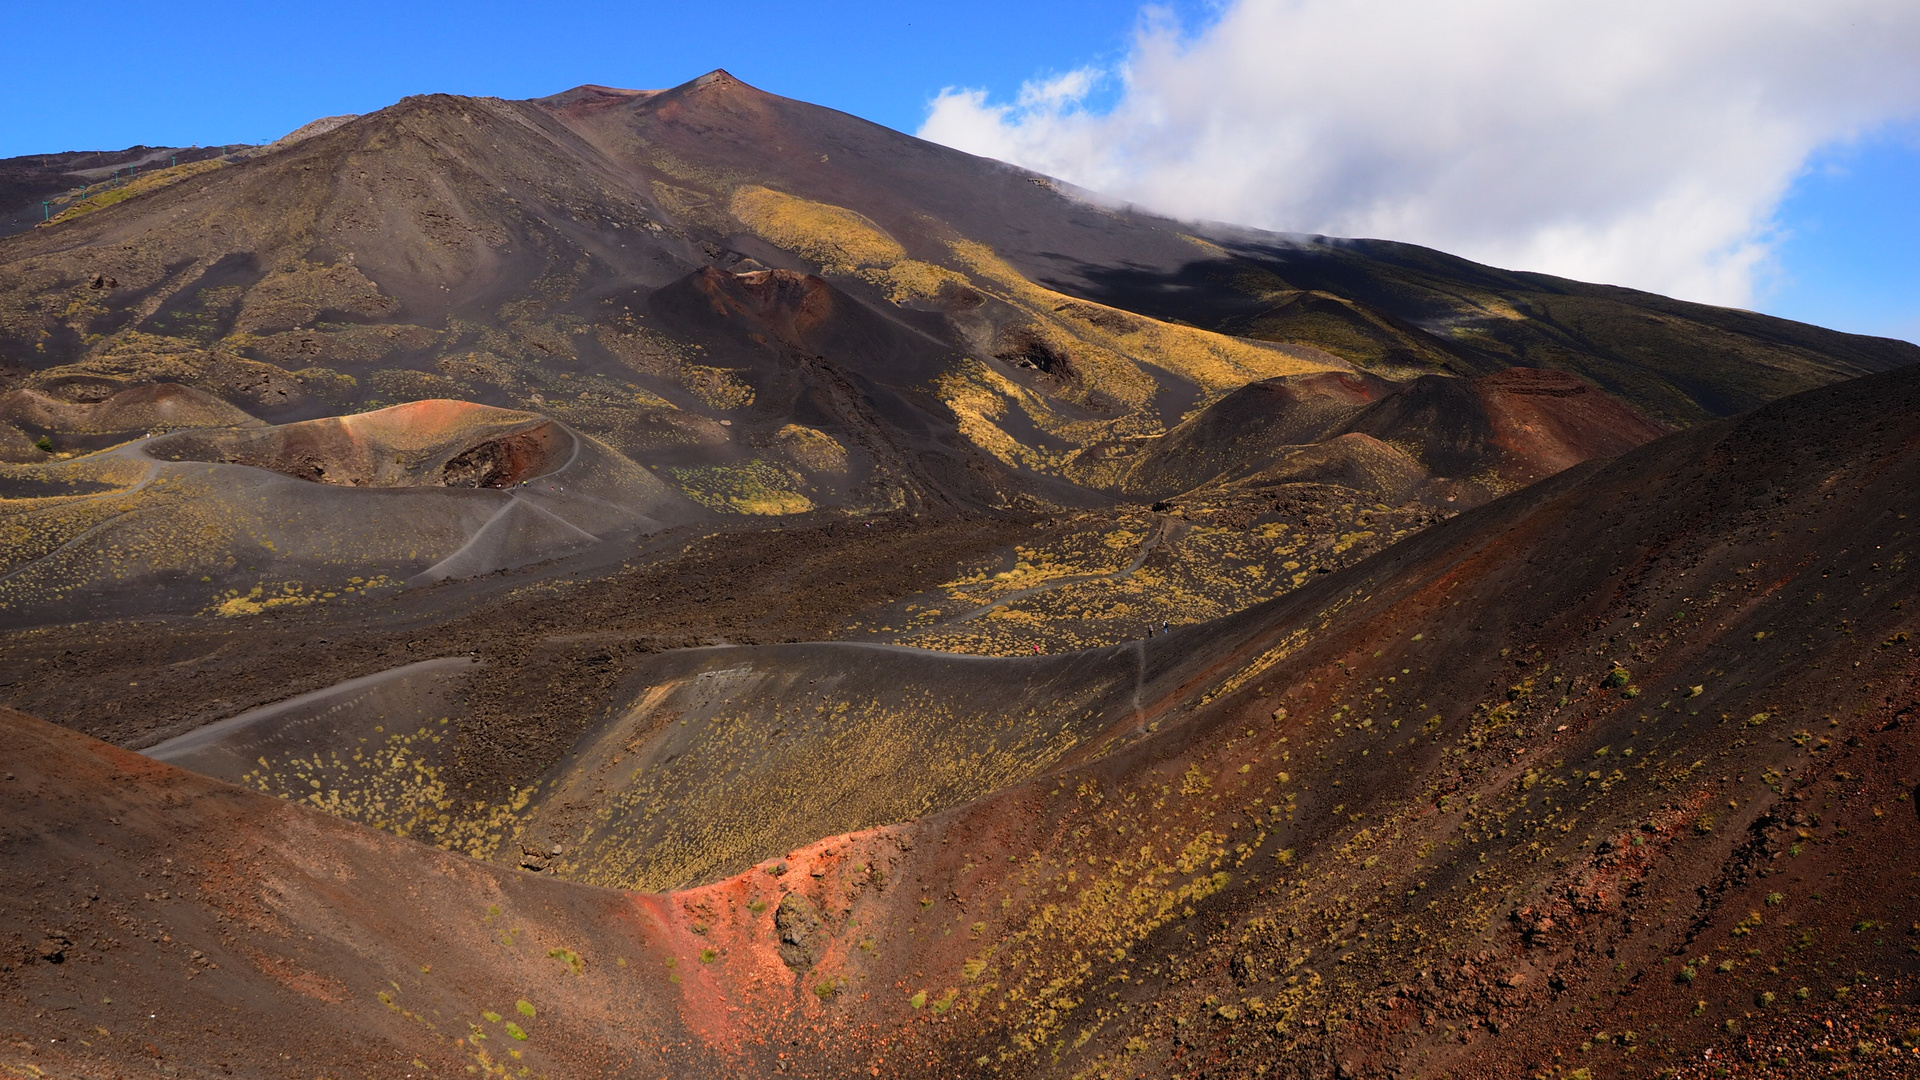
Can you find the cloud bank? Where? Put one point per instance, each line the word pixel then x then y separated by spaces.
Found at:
pixel 1641 142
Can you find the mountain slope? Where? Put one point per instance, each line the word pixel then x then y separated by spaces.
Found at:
pixel 1531 776
pixel 780 310
pixel 500 246
pixel 1541 789
pixel 160 920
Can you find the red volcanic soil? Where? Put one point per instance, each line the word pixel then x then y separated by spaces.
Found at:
pixel 790 306
pixel 1410 819
pixel 436 442
pixel 1504 430
pixel 1545 421
pixel 1522 424
pixel 155 919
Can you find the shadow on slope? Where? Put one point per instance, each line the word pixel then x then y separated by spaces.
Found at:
pixel 1401 310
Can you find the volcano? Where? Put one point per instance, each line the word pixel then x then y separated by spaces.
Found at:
pixel 688 582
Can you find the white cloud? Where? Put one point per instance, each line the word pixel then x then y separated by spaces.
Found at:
pixel 1640 142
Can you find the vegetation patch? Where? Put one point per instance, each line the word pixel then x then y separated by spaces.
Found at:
pixel 756 487
pixel 141 185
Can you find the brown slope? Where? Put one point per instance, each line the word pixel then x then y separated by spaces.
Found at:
pixel 1521 425
pixel 441 248
pixel 1411 819
pixel 1242 432
pixel 156 919
pixel 91 422
pixel 399 208
pixel 233 521
pixel 1399 310
pixel 1503 430
pixel 34 187
pixel 515 218
pixel 821 359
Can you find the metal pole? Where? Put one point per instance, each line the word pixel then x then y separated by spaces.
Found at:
pixel 48 207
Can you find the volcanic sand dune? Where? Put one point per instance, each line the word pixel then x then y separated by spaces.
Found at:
pixel 252 517
pixel 1566 773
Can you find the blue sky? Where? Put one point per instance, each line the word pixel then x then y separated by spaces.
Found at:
pixel 1849 256
pixel 116 73
pixel 1844 245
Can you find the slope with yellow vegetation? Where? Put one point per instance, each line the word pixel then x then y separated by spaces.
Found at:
pixel 1121 361
pixel 133 188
